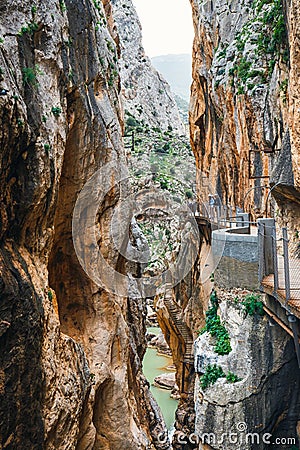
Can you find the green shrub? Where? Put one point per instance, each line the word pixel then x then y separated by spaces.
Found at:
pixel 166 147
pixel 284 85
pixel 131 122
pixel 252 305
pixel 189 194
pixel 251 86
pixel 271 65
pixel 110 45
pixel 240 44
pixel 30 28
pixel 30 73
pixel 29 76
pixel 211 375
pixel 62 6
pixel 232 71
pixel 274 33
pixel 284 89
pixel 56 111
pixel 216 329
pixel 223 346
pixel 232 377
pixel 243 69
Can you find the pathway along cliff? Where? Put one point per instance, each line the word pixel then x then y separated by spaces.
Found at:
pixel 72 348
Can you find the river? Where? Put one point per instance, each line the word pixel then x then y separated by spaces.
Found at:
pixel 154 365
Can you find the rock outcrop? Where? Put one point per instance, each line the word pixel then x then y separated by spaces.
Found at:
pixel 146 94
pixel 70 362
pixel 263 405
pixel 243 115
pixel 244 119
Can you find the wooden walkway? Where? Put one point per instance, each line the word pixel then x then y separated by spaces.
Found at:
pixel 268 285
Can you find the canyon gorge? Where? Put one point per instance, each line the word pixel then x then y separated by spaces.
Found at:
pixel 74 79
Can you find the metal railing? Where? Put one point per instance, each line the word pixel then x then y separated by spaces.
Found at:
pixel 279 269
pixel 227 217
pixel 279 256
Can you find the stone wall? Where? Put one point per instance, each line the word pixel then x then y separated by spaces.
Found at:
pixel 238 266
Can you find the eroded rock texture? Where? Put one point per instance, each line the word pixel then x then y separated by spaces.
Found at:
pixel 244 119
pixel 147 95
pixel 70 360
pixel 243 115
pixel 265 402
pixel 181 313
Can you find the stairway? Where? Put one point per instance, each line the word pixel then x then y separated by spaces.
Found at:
pixel 175 313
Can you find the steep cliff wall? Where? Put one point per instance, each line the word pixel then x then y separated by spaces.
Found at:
pixel 244 118
pixel 243 113
pixel 147 95
pixel 264 360
pixel 70 360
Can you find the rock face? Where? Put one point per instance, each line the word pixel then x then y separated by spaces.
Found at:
pixel 181 313
pixel 147 95
pixel 244 118
pixel 243 114
pixel 263 357
pixel 165 381
pixel 70 362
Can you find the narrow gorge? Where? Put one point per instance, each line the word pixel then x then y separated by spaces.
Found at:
pixel 114 218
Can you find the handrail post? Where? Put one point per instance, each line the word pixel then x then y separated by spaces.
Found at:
pixel 286 265
pixel 275 261
pixel 261 266
pixel 266 246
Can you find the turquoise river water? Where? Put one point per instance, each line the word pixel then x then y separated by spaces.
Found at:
pixel 154 365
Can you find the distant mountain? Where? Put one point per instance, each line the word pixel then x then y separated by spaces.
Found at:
pixel 146 94
pixel 177 70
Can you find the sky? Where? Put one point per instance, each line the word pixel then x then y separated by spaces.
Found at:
pixel 167 26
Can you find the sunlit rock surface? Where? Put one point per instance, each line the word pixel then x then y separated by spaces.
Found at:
pixel 265 400
pixel 70 360
pixel 243 114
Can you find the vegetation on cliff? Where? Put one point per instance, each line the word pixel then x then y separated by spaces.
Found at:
pixel 214 326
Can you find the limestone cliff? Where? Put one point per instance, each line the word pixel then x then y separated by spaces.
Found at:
pixel 70 360
pixel 147 95
pixel 264 403
pixel 244 119
pixel 181 313
pixel 243 115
